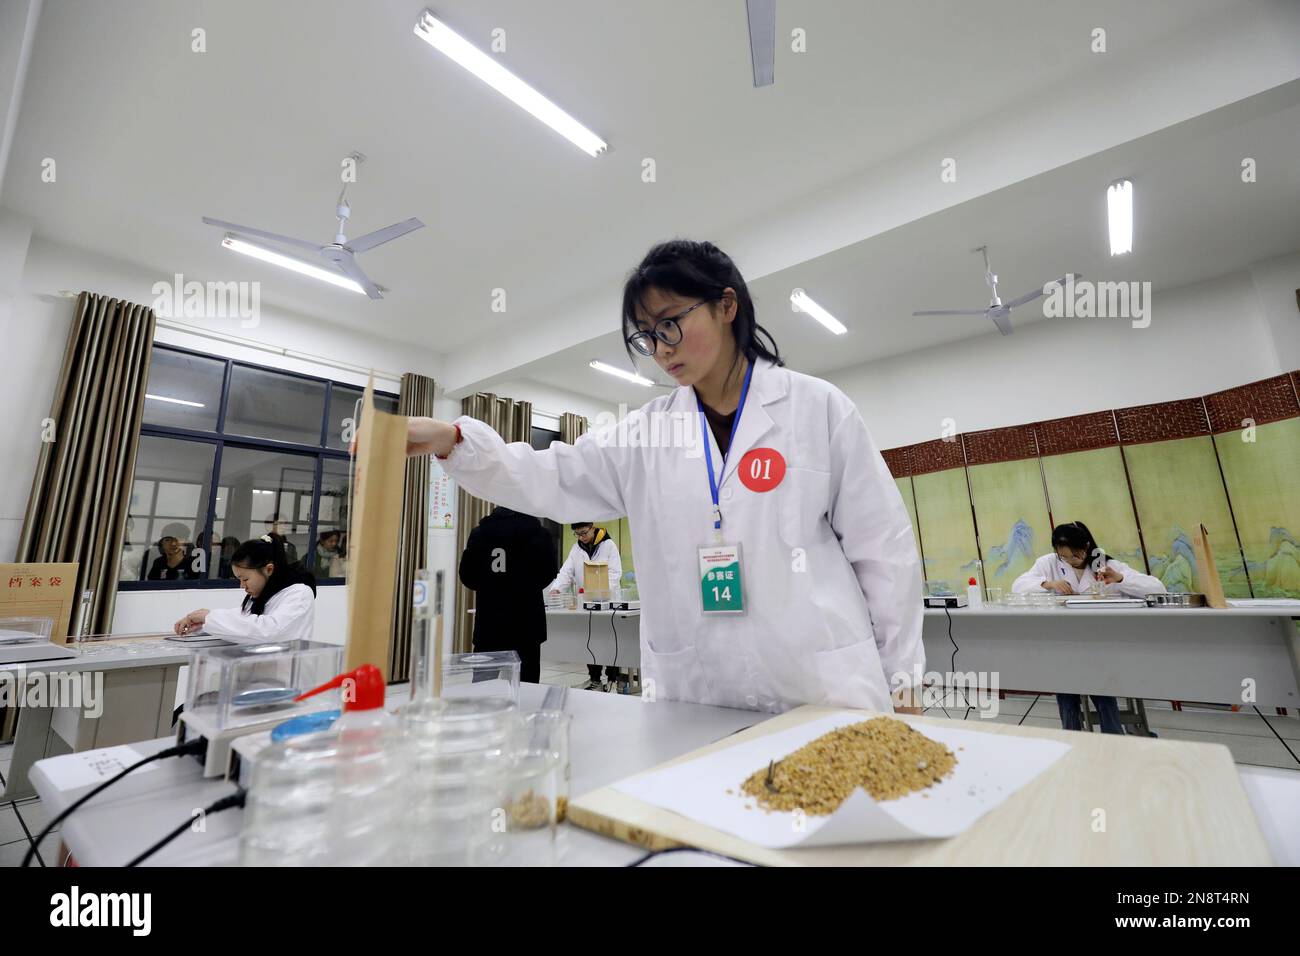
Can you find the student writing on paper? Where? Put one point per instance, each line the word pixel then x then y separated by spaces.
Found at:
pixel 1078 566
pixel 279 599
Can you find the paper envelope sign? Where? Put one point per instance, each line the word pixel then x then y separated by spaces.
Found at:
pixel 376 522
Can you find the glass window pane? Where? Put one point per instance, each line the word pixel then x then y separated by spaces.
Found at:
pixel 330 557
pixel 343 403
pixel 184 391
pixel 274 405
pixel 255 484
pixel 165 526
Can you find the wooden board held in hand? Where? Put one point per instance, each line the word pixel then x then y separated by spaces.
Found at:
pixel 376 522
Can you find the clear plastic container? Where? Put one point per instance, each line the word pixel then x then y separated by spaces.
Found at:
pixel 531 808
pixel 321 800
pixel 481 675
pixel 458 752
pixel 549 730
pixel 25 630
pixel 246 684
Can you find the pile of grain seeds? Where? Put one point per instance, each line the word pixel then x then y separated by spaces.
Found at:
pixel 885 757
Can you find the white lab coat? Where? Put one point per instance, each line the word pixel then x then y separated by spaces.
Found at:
pixel 290 615
pixel 1050 567
pixel 832 580
pixel 571 574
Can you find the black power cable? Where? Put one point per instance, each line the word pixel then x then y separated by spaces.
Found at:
pixel 194 747
pixel 589 650
pixel 952 666
pixel 225 803
pixel 1276 734
pixel 615 665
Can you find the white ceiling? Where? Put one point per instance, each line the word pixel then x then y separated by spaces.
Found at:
pixel 149 136
pixel 1195 220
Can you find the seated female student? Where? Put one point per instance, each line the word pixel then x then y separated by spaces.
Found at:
pixel 279 602
pixel 1068 570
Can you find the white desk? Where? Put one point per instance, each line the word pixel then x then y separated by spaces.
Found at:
pixel 615 637
pixel 139 693
pixel 613 736
pixel 1201 654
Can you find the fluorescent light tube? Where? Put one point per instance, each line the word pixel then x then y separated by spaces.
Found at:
pixel 1119 206
pixel 802 303
pixel 288 262
pixel 621 373
pixel 174 401
pixel 446 40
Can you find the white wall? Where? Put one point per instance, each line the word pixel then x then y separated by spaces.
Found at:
pixel 1276 282
pixel 1202 338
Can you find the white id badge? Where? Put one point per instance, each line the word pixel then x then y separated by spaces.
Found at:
pixel 721 590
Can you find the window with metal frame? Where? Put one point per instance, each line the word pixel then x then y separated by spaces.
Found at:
pixel 231 451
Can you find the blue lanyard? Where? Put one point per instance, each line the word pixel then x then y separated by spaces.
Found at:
pixel 708 447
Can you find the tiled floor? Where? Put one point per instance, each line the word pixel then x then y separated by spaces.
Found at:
pixel 1245 734
pixel 20 821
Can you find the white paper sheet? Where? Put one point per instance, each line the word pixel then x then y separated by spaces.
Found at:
pixel 990 767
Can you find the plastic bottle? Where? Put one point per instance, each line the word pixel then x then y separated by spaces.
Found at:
pixel 974 596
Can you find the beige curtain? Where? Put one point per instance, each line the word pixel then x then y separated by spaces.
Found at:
pixel 513 421
pixel 82 487
pixel 571 427
pixel 413 549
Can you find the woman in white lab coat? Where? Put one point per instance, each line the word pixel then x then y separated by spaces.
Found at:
pixel 1077 566
pixel 279 599
pixel 781 508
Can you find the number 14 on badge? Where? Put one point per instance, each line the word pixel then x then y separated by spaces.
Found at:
pixel 721 591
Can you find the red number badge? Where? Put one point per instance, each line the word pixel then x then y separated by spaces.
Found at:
pixel 762 469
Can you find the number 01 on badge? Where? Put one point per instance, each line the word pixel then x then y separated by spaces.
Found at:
pixel 721 591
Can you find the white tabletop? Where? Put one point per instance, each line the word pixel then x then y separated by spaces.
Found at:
pixel 613 736
pixel 112 655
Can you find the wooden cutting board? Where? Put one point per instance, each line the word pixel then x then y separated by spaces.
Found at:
pixel 1110 801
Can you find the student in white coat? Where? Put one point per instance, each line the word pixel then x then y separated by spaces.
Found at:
pixel 1069 570
pixel 594 545
pixel 279 602
pixel 775 560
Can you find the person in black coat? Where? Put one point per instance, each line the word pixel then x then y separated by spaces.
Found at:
pixel 509 559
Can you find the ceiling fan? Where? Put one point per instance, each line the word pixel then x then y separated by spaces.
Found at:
pixel 341 253
pixel 999 311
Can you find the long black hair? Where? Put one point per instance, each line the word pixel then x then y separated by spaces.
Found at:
pixel 1075 535
pixel 257 554
pixel 698 270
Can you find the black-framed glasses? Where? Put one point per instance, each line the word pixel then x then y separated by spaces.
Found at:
pixel 668 331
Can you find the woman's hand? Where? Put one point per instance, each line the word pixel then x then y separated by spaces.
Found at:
pixel 191 622
pixel 1060 587
pixel 1109 575
pixel 428 436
